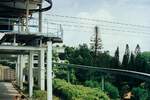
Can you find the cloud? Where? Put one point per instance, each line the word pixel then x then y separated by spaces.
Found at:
pixel 127 11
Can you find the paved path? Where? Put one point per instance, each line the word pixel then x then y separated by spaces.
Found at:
pixel 7 91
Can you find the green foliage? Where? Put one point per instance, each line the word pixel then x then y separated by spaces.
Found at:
pixel 62 73
pixel 40 95
pixel 115 63
pixel 146 57
pixel 140 93
pixel 111 90
pixel 92 84
pixel 131 65
pixel 140 63
pixel 77 92
pixel 125 60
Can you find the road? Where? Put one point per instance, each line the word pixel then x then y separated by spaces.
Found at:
pixel 7 91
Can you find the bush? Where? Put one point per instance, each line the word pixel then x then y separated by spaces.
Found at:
pixel 68 91
pixel 140 93
pixel 92 84
pixel 111 90
pixel 40 95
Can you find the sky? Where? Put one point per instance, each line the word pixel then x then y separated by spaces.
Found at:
pixel 125 11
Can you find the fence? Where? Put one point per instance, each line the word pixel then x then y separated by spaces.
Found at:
pixel 7 74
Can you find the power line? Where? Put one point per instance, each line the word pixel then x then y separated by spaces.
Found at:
pixel 104 28
pixel 98 20
pixel 92 24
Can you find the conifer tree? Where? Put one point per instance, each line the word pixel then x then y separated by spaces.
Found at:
pixel 125 61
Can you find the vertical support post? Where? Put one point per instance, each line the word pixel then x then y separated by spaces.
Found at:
pixel 27 15
pixel 68 74
pixel 31 73
pixel 42 70
pixel 49 70
pixel 40 18
pixel 102 80
pixel 18 69
pixel 22 65
pixel 21 24
pixel 14 42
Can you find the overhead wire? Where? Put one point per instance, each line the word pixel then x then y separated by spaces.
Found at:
pixel 98 20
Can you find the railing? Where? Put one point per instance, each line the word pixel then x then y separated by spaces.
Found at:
pixel 134 74
pixel 33 27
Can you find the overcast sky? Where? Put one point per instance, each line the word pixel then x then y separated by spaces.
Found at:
pixel 126 11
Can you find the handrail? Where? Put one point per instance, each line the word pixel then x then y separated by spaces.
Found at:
pixel 33 27
pixel 134 74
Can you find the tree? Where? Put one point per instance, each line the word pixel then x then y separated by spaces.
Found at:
pixel 111 90
pixel 115 63
pixel 132 62
pixel 137 50
pixel 140 93
pixel 140 63
pixel 126 57
pixel 96 42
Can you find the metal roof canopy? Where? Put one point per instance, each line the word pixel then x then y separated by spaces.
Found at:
pixel 17 8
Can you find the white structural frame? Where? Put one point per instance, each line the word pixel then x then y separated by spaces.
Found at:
pixel 49 71
pixel 30 73
pixel 22 65
pixel 42 69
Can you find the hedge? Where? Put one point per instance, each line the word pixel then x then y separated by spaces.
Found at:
pixel 68 91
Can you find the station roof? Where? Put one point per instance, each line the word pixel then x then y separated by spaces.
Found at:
pixel 17 8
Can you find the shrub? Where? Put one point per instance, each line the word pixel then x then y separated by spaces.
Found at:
pixel 140 93
pixel 111 90
pixel 68 91
pixel 92 84
pixel 40 95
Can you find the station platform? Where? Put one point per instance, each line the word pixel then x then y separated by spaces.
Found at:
pixel 7 91
pixel 29 39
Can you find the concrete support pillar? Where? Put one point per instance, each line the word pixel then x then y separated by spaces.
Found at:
pixel 102 80
pixel 40 18
pixel 22 65
pixel 27 15
pixel 18 70
pixel 42 70
pixel 68 74
pixel 31 73
pixel 49 70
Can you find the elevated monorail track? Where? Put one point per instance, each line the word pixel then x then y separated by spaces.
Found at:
pixel 134 74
